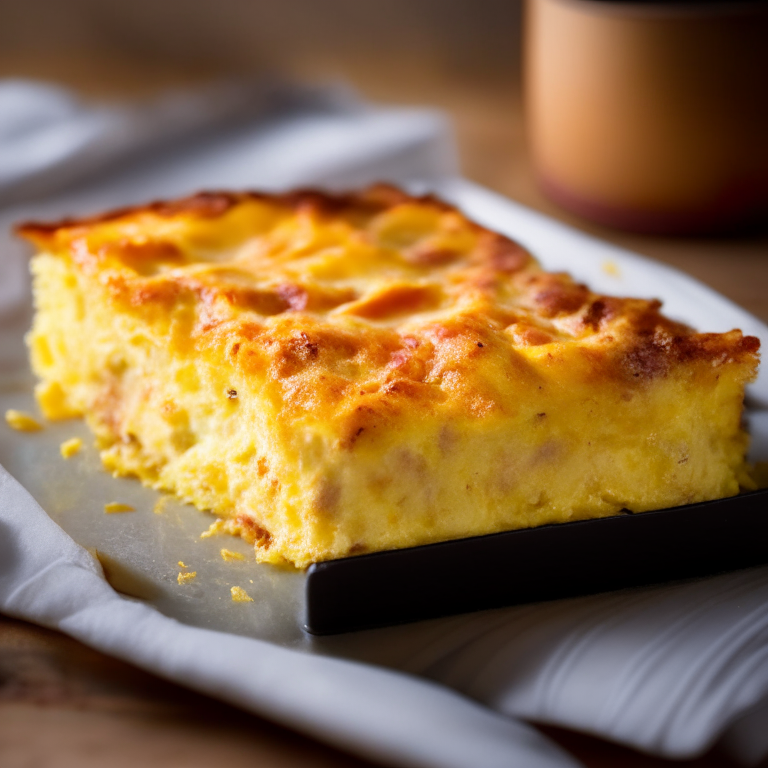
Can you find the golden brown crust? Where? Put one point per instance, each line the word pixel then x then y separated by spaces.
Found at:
pixel 435 309
pixel 212 204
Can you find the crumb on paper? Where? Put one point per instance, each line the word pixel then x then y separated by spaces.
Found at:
pixel 182 565
pixel 213 529
pixel 251 580
pixel 70 448
pixel 185 578
pixel 223 526
pixel 22 421
pixel 611 268
pixel 115 506
pixel 161 504
pixel 229 556
pixel 239 595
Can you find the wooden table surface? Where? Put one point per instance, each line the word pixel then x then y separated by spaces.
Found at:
pixel 63 705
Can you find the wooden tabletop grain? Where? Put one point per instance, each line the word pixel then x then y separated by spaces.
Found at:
pixel 63 705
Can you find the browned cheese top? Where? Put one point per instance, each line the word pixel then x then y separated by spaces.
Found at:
pixel 367 304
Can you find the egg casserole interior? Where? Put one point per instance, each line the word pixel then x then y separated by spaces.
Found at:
pixel 338 374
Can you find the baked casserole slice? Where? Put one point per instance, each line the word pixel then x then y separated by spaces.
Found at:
pixel 339 374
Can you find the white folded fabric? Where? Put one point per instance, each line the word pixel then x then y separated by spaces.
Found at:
pixel 391 717
pixel 49 139
pixel 669 670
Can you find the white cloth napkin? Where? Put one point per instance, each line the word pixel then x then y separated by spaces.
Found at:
pixel 49 139
pixel 669 670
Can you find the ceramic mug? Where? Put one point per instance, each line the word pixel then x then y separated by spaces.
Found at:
pixel 650 116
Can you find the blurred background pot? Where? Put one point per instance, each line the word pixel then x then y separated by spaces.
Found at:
pixel 650 116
